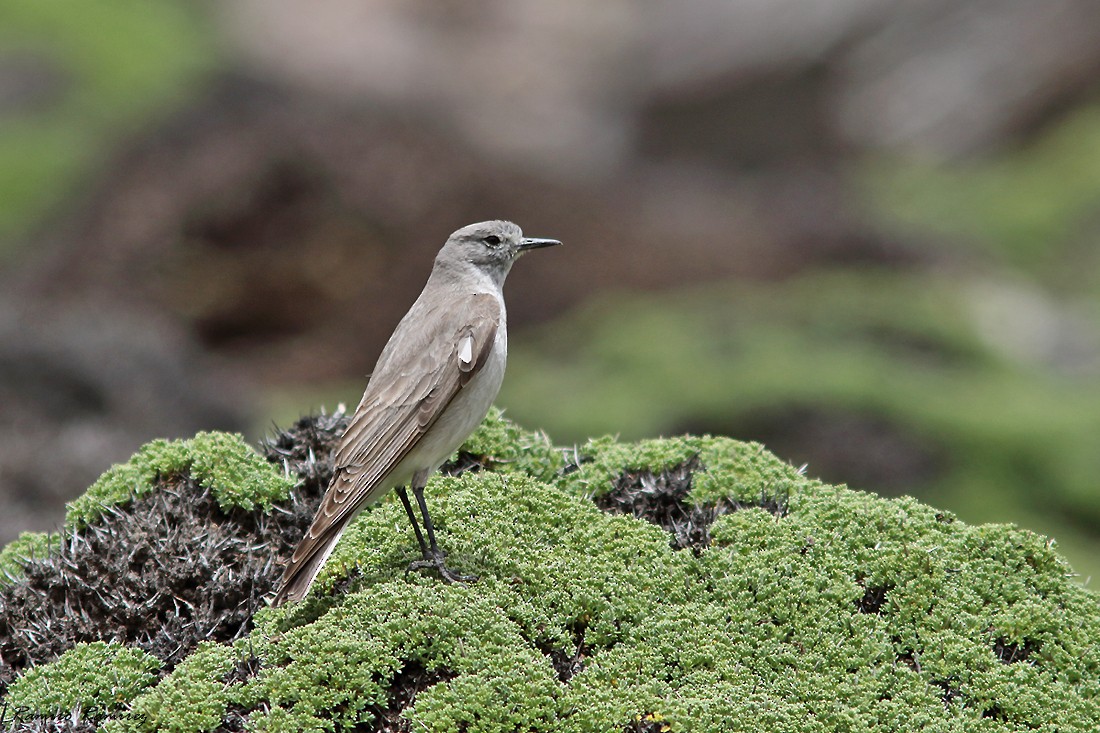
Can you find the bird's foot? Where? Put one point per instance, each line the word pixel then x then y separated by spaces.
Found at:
pixel 435 561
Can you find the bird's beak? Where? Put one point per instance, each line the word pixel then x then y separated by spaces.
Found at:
pixel 533 243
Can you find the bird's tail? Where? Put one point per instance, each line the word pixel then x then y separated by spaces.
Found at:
pixel 307 561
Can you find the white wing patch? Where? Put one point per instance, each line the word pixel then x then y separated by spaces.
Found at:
pixel 466 352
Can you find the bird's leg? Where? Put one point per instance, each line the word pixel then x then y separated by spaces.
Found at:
pixel 404 496
pixel 433 556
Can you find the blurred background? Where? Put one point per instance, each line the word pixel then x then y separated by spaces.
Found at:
pixel 864 233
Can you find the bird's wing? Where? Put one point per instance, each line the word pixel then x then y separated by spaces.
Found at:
pixel 403 400
pixel 407 398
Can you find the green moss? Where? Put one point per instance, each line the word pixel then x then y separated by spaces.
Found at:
pixel 512 527
pixel 849 612
pixel 193 698
pixel 28 546
pixel 339 667
pixel 845 612
pixel 97 678
pixel 733 470
pixel 237 476
pixel 601 459
pixel 503 445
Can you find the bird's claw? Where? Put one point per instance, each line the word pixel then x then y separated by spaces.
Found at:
pixel 435 562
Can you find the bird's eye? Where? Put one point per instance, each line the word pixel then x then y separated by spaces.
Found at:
pixel 492 240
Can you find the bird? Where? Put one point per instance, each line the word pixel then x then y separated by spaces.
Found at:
pixel 433 384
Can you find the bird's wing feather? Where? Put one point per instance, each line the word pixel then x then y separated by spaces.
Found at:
pixel 401 403
pixel 406 400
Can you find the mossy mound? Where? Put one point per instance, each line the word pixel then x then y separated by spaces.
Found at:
pixel 720 590
pixel 176 546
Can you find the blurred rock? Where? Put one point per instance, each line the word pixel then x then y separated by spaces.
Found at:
pixel 950 79
pixel 82 388
pixel 561 87
pixel 29 81
pixel 544 85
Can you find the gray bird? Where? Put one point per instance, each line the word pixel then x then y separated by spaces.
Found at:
pixel 433 384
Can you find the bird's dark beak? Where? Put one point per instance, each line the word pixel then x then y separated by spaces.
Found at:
pixel 533 243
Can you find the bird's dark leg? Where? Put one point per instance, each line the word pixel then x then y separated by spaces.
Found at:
pixel 404 496
pixel 433 556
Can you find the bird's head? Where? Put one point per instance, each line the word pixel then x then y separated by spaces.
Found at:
pixel 490 246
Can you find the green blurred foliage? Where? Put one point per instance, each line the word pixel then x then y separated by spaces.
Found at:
pixel 1035 208
pixel 117 65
